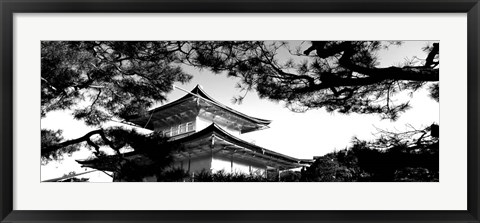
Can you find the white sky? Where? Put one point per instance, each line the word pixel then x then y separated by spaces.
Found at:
pixel 301 135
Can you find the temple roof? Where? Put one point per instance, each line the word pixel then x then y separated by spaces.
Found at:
pixel 187 105
pixel 234 145
pixel 200 144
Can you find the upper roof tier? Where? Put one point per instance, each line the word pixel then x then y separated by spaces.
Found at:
pixel 199 103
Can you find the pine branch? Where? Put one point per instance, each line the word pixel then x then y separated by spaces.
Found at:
pixel 86 138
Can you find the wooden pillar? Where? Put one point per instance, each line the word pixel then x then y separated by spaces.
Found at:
pixel 115 177
pixel 212 146
pixel 212 141
pixel 278 170
pixel 231 163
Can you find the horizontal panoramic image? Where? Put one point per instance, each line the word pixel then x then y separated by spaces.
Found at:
pixel 240 111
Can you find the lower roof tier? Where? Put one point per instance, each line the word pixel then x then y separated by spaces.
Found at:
pixel 214 141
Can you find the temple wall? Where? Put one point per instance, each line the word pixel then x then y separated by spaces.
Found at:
pixel 158 126
pixel 196 164
pixel 199 164
pixel 239 166
pixel 177 129
pixel 218 163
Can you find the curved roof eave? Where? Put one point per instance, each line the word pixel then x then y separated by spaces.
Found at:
pixel 199 92
pixel 216 129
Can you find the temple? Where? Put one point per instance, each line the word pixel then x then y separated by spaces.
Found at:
pixel 209 132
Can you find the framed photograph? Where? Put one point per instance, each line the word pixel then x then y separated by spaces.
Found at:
pixel 238 111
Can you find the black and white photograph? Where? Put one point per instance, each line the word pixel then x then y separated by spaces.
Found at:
pixel 240 111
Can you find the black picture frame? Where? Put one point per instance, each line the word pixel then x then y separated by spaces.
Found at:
pixel 9 7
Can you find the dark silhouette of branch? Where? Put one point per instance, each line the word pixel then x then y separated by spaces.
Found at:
pixel 86 138
pixel 429 61
pixel 343 75
pixel 419 73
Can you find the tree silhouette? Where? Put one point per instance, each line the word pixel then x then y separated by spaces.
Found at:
pixel 339 76
pixel 150 155
pixel 405 156
pixel 117 78
pixel 103 80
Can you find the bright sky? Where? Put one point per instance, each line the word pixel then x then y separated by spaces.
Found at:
pixel 301 135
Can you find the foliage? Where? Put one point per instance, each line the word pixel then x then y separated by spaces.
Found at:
pixel 181 175
pixel 151 154
pixel 334 167
pixel 222 176
pixel 341 76
pixel 173 175
pixel 51 138
pixel 434 92
pixel 70 177
pixel 382 160
pixel 415 174
pixel 117 77
pixel 289 176
pixel 103 80
pixel 75 179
